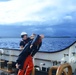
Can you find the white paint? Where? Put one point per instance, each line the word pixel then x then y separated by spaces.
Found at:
pixel 48 58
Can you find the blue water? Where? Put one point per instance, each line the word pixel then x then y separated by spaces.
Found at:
pixel 49 44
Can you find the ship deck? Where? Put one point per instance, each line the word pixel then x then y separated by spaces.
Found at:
pixel 7 72
pixel 4 73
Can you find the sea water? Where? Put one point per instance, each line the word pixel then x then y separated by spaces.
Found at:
pixel 48 45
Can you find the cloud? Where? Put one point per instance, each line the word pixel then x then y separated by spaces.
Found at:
pixel 35 10
pixel 50 29
pixel 68 17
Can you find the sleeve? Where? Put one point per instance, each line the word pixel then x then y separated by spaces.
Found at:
pixel 19 59
pixel 24 53
pixel 21 43
pixel 35 51
pixel 35 39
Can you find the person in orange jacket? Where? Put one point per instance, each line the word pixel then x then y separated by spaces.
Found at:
pixel 24 61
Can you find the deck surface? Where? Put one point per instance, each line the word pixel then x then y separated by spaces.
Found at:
pixel 6 72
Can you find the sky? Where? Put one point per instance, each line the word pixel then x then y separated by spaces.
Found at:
pixel 55 11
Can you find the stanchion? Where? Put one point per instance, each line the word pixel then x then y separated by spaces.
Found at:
pixel 2 64
pixel 9 66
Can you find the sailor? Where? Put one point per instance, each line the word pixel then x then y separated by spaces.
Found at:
pixel 25 39
pixel 24 61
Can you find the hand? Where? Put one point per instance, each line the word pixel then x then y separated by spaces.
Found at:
pixel 42 36
pixel 31 46
pixel 17 66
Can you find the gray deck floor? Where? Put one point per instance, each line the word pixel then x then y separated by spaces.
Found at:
pixel 4 73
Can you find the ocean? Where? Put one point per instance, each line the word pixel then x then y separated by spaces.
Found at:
pixel 49 44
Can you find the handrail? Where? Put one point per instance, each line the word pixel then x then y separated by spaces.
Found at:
pixel 54 68
pixel 62 67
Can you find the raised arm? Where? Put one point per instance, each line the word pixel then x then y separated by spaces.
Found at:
pixel 35 39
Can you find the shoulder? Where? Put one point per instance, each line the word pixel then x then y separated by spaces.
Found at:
pixel 21 42
pixel 28 39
